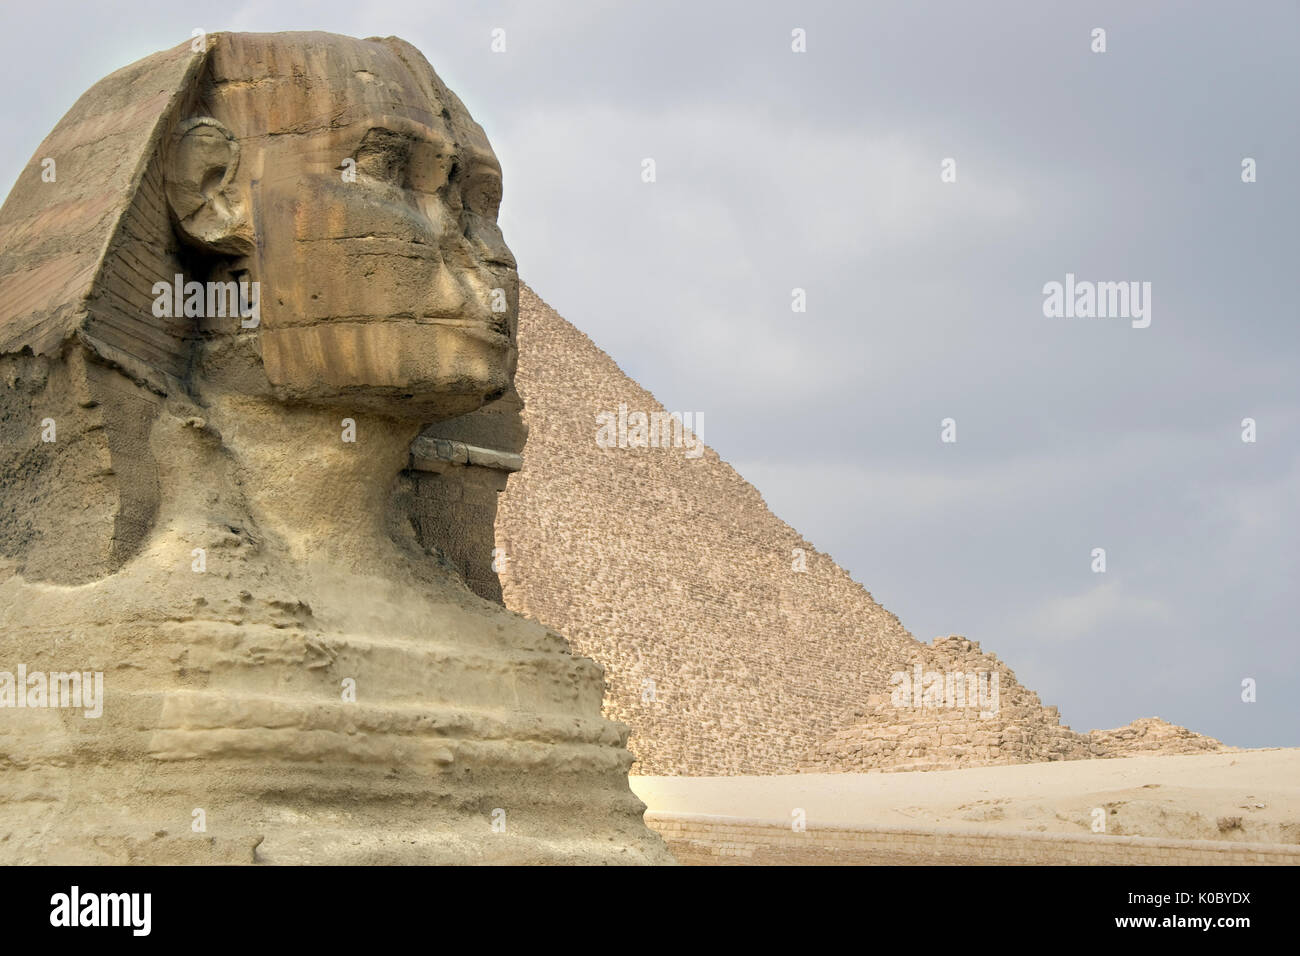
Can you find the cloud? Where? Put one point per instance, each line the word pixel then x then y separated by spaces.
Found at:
pixel 1105 606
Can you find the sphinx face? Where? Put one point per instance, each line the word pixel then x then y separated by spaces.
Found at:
pixel 385 283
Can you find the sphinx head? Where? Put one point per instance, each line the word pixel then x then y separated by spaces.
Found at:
pixel 345 180
pixel 337 180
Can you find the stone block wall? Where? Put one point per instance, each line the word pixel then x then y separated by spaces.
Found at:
pixel 458 469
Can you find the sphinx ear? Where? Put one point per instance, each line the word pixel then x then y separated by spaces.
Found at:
pixel 200 170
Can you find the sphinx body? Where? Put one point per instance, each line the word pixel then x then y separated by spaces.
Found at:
pixel 217 517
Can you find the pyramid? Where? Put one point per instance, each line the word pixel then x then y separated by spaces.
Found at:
pixel 731 645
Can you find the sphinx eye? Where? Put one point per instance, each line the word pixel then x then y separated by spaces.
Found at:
pixel 482 193
pixel 384 155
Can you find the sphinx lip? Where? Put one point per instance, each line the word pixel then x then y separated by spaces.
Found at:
pixel 476 328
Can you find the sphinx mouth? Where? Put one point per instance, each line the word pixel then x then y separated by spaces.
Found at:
pixel 491 331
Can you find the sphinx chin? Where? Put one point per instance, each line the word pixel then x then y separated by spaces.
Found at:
pixel 412 369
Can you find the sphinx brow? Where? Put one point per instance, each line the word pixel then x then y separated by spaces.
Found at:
pixel 410 129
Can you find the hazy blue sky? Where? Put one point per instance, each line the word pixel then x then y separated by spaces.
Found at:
pixel 821 170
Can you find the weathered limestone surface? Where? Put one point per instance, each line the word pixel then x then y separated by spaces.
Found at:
pixel 182 510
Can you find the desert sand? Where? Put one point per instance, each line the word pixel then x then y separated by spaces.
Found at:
pixel 1248 796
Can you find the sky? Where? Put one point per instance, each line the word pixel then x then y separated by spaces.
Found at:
pixel 823 170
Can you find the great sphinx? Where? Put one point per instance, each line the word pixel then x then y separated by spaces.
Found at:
pixel 214 507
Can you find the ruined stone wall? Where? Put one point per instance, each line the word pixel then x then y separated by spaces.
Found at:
pixel 458 469
pixel 926 732
pixel 1150 735
pixel 453 489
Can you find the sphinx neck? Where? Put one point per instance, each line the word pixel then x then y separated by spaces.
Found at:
pixel 319 480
